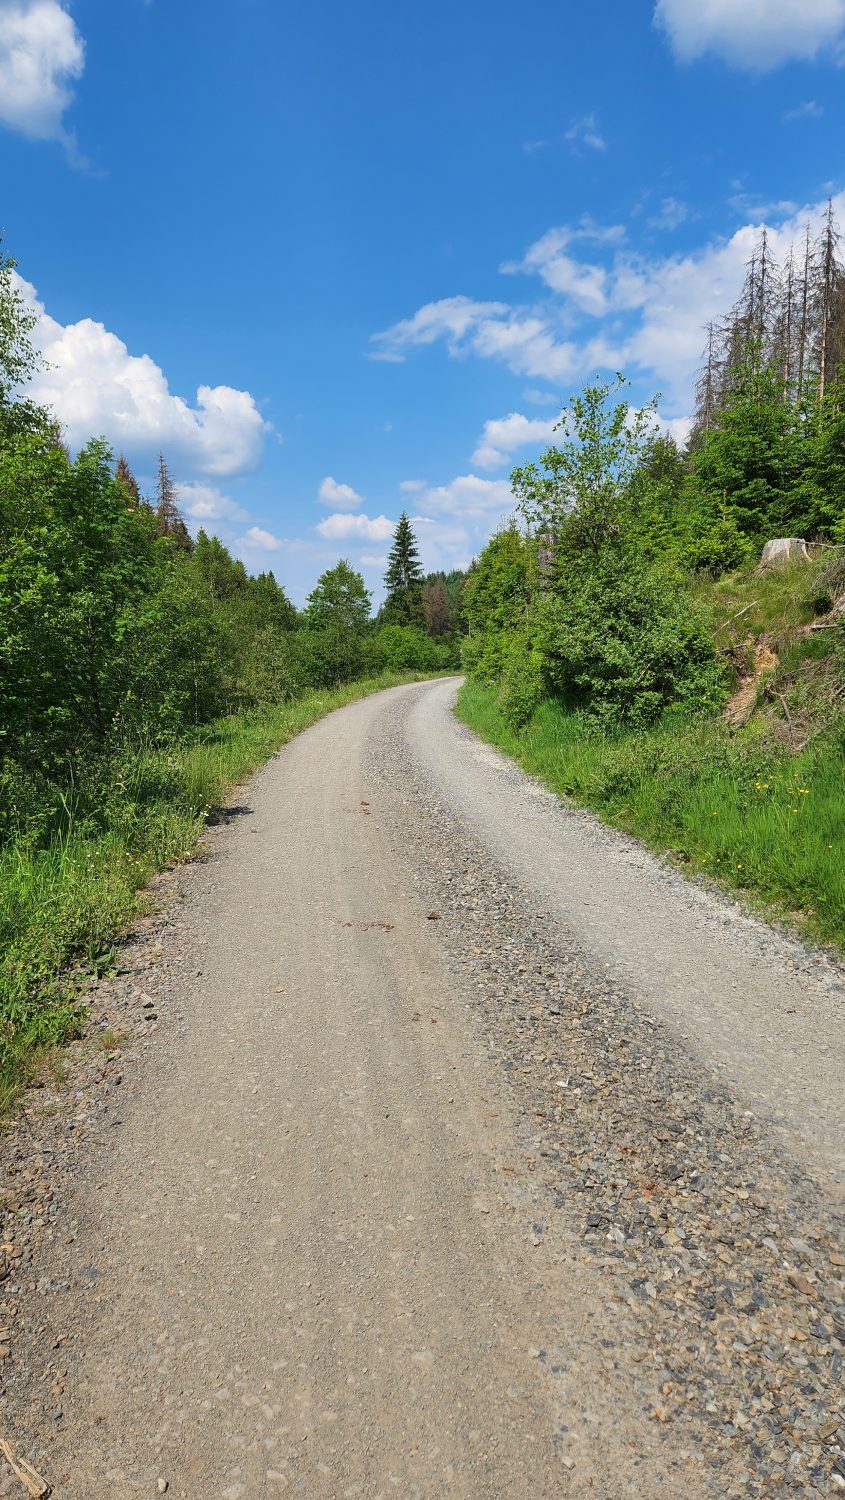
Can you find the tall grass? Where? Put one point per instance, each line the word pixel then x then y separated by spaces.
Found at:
pixel 63 902
pixel 731 805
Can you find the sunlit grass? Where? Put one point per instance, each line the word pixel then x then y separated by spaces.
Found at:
pixel 731 805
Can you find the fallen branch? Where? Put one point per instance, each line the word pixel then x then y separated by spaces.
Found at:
pixel 725 623
pixel 34 1485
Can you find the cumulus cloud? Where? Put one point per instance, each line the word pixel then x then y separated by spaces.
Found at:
pixel 349 526
pixel 96 387
pixel 609 308
pixel 412 486
pixel 467 496
pixel 338 496
pixel 204 502
pixel 523 340
pixel 504 435
pixel 259 540
pixel 41 56
pixel 755 34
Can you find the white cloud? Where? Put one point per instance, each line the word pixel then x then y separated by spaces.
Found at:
pixel 503 435
pixel 585 284
pixel 258 540
pixel 412 486
pixel 808 110
pixel 452 319
pixel 523 340
pixel 540 398
pixel 641 314
pixel 761 211
pixel 446 544
pixel 751 33
pixel 368 561
pixel 96 387
pixel 677 428
pixel 468 497
pixel 673 213
pixel 41 55
pixel 339 496
pixel 345 526
pixel 585 132
pixel 204 502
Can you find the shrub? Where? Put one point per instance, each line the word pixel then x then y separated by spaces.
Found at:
pixel 406 648
pixel 622 640
pixel 522 685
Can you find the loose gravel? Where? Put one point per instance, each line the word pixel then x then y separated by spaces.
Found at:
pixel 711 1264
pixel 725 1259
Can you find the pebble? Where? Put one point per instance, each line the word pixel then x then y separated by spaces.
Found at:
pixel 733 1264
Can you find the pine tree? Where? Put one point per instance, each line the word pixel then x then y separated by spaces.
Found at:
pixel 708 384
pixel 404 577
pixel 123 474
pixel 168 515
pixel 803 317
pixel 829 293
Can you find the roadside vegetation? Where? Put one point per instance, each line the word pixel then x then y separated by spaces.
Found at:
pixel 619 636
pixel 143 672
pixel 625 643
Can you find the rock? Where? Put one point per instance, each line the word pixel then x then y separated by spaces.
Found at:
pixel 782 550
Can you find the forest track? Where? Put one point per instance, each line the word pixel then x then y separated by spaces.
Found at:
pixel 472 1153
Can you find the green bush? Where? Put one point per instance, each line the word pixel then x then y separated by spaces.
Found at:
pixel 622 640
pixel 522 684
pixel 406 648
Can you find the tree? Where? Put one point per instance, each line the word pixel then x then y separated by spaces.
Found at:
pixel 19 359
pixel 404 577
pixel 829 299
pixel 124 476
pixel 577 499
pixel 752 456
pixel 223 575
pixel 168 515
pixel 435 602
pixel 340 601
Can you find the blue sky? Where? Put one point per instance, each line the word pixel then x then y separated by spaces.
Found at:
pixel 339 260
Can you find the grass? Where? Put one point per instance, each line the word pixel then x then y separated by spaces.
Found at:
pixel 63 905
pixel 732 805
pixel 748 604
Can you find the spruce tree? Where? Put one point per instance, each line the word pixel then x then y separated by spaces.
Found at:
pixel 404 577
pixel 123 474
pixel 168 515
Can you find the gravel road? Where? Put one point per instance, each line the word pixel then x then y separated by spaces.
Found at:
pixel 453 1148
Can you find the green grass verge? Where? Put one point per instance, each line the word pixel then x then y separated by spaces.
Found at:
pixel 730 805
pixel 62 906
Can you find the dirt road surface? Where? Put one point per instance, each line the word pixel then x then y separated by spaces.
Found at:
pixel 468 1153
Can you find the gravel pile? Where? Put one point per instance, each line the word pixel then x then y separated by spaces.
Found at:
pixel 724 1264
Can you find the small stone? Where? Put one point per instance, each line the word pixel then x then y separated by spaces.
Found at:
pixel 162 1487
